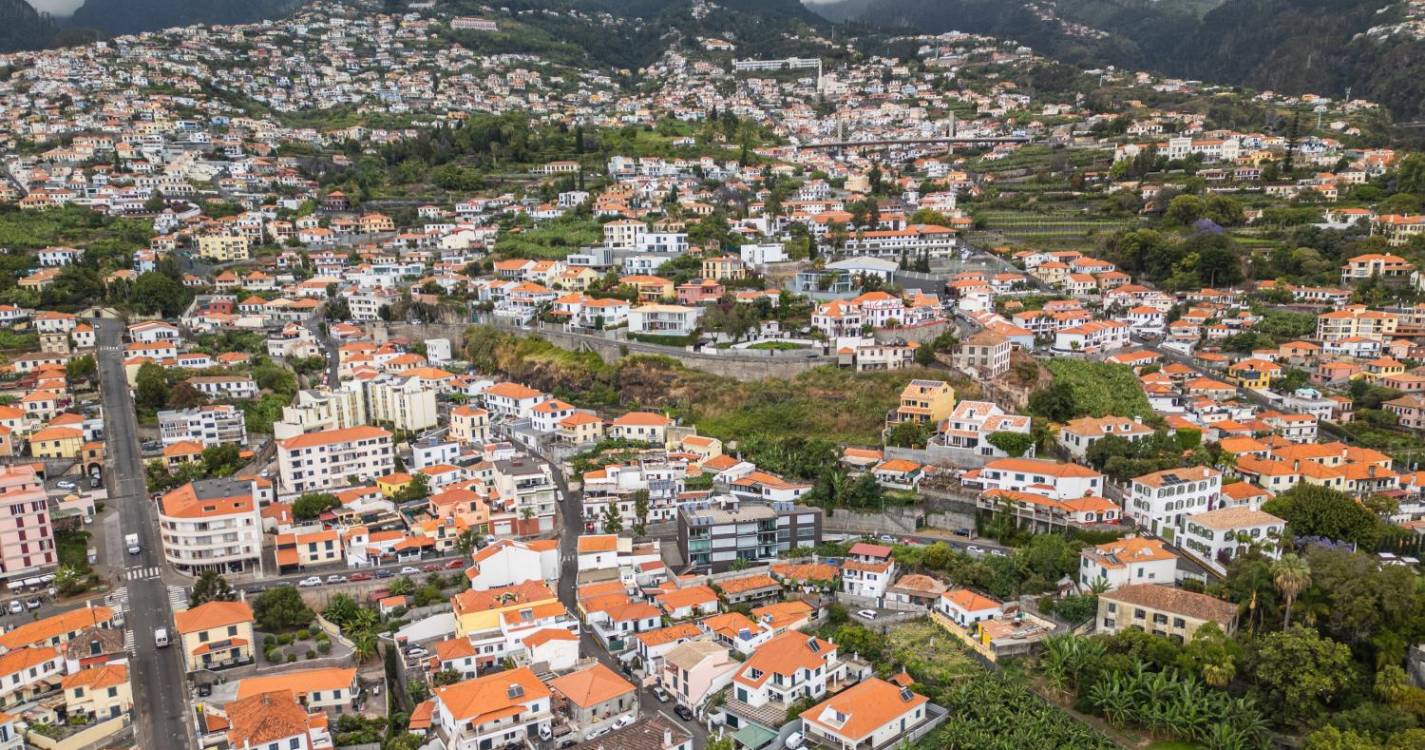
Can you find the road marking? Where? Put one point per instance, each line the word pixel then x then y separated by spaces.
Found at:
pixel 178 598
pixel 129 640
pixel 142 574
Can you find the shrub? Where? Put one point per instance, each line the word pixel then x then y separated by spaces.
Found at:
pixel 324 646
pixel 311 654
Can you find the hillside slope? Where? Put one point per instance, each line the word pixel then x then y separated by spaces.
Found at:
pixel 1284 45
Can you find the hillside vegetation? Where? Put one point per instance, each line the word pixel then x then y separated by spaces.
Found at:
pixel 826 403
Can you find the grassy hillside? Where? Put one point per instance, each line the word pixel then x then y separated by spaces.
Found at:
pixel 825 403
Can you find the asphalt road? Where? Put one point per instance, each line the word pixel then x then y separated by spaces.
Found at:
pixel 159 683
pixel 571 526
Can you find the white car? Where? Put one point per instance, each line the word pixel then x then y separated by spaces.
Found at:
pixel 410 571
pixel 334 578
pixel 623 721
pixel 310 581
pixel 866 614
pixel 16 607
pixel 65 484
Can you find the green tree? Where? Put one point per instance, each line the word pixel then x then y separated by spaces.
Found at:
pixel 1299 673
pixel 151 387
pixel 612 519
pixel 158 293
pixel 1291 574
pixel 313 504
pixel 82 368
pixel 211 587
pixel 640 512
pixel 281 609
pixel 1311 510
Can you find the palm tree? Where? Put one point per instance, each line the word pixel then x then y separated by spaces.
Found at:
pixel 1291 574
pixel 363 645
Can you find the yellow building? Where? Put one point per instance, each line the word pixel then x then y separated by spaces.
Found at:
pixel 926 402
pixel 480 611
pixel 56 442
pixel 101 692
pixel 392 484
pixel 215 634
pixel 724 268
pixel 224 248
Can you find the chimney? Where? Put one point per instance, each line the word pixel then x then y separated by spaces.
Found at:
pixel 667 738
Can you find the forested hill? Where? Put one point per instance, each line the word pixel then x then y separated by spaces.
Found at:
pixel 132 16
pixel 21 26
pixel 1283 45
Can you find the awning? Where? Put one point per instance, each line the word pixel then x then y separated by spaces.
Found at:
pixel 753 737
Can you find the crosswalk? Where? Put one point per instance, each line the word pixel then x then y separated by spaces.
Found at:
pixel 111 348
pixel 141 574
pixel 178 598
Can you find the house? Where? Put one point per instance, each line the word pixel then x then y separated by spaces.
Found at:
pixel 325 689
pixel 215 634
pixel 272 720
pixel 1050 478
pixel 494 710
pixel 1162 610
pixel 27 673
pixel 966 608
pixel 98 693
pixel 985 354
pixel 1219 536
pixel 784 670
pixel 872 713
pixel 867 571
pixel 664 320
pixel 595 697
pixel 1127 561
pixel 1080 434
pixel 686 602
pixel 924 402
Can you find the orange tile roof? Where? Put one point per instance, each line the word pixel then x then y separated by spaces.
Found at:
pixel 591 687
pixel 209 615
pixel 489 698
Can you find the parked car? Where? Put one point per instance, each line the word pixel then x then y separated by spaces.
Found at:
pixel 623 721
pixel 887 538
pixel 310 581
pixel 431 567
pixel 455 564
pixel 410 570
pixel 334 578
pixel 570 742
pixel 683 712
pixel 65 484
pixel 385 573
pixel 866 614
pixel 545 733
pixel 661 694
pixel 32 603
pixel 354 577
pixel 16 607
pixel 794 741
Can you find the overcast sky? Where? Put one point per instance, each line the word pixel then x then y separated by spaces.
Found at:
pixel 57 7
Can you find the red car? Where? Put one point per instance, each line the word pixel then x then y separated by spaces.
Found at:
pixel 360 577
pixel 430 568
pixel 455 564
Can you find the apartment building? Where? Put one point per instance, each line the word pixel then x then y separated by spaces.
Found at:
pixel 224 248
pixel 238 387
pixel 215 634
pixel 1127 561
pixel 1162 610
pixel 1387 267
pixel 334 458
pixel 1053 479
pixel 406 404
pixel 315 410
pixel 1356 321
pixel 528 487
pixel 99 693
pixel 216 424
pixel 715 533
pixel 496 710
pixel 469 425
pixel 1161 500
pixel 26 536
pixel 211 525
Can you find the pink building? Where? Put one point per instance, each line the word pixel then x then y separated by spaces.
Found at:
pixel 698 292
pixel 26 537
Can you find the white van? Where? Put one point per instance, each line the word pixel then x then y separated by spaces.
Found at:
pixel 132 542
pixel 160 637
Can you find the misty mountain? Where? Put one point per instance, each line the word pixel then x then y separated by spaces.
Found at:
pixel 1284 45
pixel 133 16
pixel 21 26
